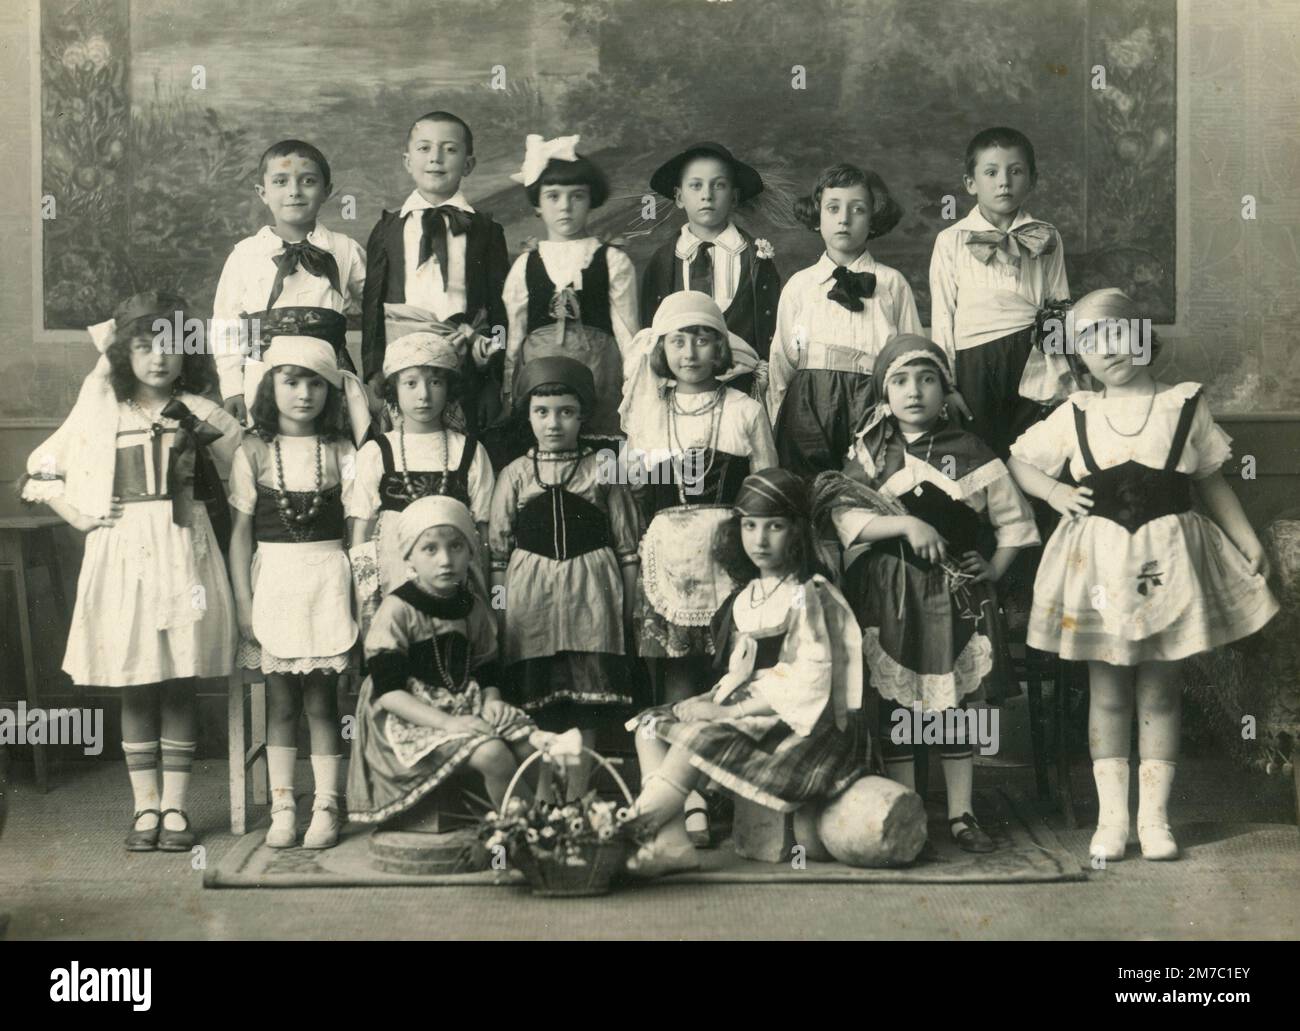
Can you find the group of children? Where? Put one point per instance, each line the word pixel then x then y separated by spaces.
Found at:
pixel 769 497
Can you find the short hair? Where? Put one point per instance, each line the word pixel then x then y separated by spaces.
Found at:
pixel 570 173
pixel 659 355
pixel 294 148
pixel 1000 136
pixel 331 424
pixel 1080 368
pixel 389 390
pixel 445 116
pixel 729 551
pixel 885 211
pixel 198 371
pixel 555 390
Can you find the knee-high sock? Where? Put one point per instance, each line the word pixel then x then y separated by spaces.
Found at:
pixel 280 761
pixel 325 771
pixel 1111 777
pixel 177 762
pixel 142 768
pixel 1155 781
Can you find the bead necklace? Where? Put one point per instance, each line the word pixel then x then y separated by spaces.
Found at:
pixel 447 679
pixel 718 396
pixel 156 427
pixel 296 522
pixel 411 493
pixel 1147 418
pixel 756 591
pixel 557 456
pixel 715 408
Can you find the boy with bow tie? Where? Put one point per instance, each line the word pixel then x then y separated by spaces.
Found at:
pixel 292 277
pixel 438 254
pixel 990 275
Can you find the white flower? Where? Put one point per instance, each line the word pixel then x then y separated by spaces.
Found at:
pixel 98 51
pixel 764 249
pixel 531 835
pixel 576 825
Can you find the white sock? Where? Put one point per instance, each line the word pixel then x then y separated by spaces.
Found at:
pixel 325 771
pixel 1155 781
pixel 177 763
pixel 1111 777
pixel 142 769
pixel 280 762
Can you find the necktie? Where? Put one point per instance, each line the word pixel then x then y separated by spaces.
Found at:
pixel 436 224
pixel 851 287
pixel 701 269
pixel 1037 238
pixel 315 261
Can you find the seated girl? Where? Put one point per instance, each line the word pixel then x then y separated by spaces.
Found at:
pixel 430 705
pixel 777 728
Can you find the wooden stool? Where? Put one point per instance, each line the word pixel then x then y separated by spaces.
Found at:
pixel 27 542
pixel 246 747
pixel 1037 668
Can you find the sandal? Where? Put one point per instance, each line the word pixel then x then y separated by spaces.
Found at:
pixel 175 841
pixel 972 837
pixel 146 840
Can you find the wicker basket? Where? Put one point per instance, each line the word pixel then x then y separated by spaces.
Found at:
pixel 551 877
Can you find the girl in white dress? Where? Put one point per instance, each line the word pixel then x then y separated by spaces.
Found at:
pixel 1133 581
pixel 132 469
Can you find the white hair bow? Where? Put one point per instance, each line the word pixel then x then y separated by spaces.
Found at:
pixel 538 151
pixel 101 334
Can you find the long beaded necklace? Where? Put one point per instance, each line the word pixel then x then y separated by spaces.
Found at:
pixel 714 407
pixel 297 522
pixel 411 493
pixel 447 679
pixel 1151 405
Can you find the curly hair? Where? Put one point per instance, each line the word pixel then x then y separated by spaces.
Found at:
pixel 885 211
pixel 729 552
pixel 659 355
pixel 582 172
pixel 331 424
pixel 454 385
pixel 198 371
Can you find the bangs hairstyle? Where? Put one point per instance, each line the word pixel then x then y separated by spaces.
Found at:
pixel 452 378
pixel 729 551
pixel 198 371
pixel 885 211
pixel 570 173
pixel 659 355
pixel 294 148
pixel 332 423
pixel 556 390
pixel 1000 136
pixel 444 116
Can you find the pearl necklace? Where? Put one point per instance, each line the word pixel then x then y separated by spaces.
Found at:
pixel 156 427
pixel 714 408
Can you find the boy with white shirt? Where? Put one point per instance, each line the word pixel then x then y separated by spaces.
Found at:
pixel 294 277
pixel 438 254
pixel 990 274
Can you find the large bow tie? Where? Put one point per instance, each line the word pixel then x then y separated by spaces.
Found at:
pixel 436 224
pixel 1037 239
pixel 851 287
pixel 315 261
pixel 191 466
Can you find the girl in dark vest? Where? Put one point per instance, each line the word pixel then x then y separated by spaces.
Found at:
pixel 1134 580
pixel 564 548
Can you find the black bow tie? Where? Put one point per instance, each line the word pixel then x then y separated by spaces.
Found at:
pixel 315 261
pixel 436 224
pixel 851 287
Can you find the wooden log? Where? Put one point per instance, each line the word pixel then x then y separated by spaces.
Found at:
pixel 414 852
pixel 876 822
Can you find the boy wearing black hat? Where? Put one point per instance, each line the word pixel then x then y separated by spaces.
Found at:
pixel 712 253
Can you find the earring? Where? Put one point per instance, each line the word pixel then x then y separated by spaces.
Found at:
pixel 943 412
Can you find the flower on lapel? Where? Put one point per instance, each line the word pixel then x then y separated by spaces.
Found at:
pixel 764 250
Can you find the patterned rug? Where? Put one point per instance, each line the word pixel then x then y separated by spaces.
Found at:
pixel 1028 851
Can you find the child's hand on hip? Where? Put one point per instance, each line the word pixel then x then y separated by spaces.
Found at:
pixel 977 566
pixel 925 540
pixel 86 523
pixel 1070 501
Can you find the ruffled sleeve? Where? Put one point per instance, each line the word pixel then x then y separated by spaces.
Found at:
pixel 1048 445
pixel 1211 446
pixel 47 468
pixel 481 483
pixel 243 482
pixel 346 456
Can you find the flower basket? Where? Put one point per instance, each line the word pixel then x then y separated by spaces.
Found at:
pixel 564 851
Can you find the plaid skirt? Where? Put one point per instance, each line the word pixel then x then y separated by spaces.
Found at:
pixel 762 759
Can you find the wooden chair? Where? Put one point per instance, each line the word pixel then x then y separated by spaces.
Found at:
pixel 28 542
pixel 1037 668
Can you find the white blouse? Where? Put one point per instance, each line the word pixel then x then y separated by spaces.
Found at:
pixel 423 284
pixel 246 282
pixel 424 452
pixel 743 430
pixel 338 465
pixel 726 255
pixel 972 303
pixel 814 332
pixel 1054 441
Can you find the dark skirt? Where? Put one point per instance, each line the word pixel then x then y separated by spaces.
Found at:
pixel 988 378
pixel 819 415
pixel 762 759
pixel 576 686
